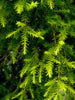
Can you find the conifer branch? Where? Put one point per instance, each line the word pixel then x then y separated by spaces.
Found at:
pixel 2 19
pixel 59 68
pixel 47 61
pixel 25 38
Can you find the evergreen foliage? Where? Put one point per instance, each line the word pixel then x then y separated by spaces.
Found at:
pixel 37 49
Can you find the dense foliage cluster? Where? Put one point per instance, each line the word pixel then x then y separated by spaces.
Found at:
pixel 37 49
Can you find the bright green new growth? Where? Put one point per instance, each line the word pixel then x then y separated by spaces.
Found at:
pixel 39 49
